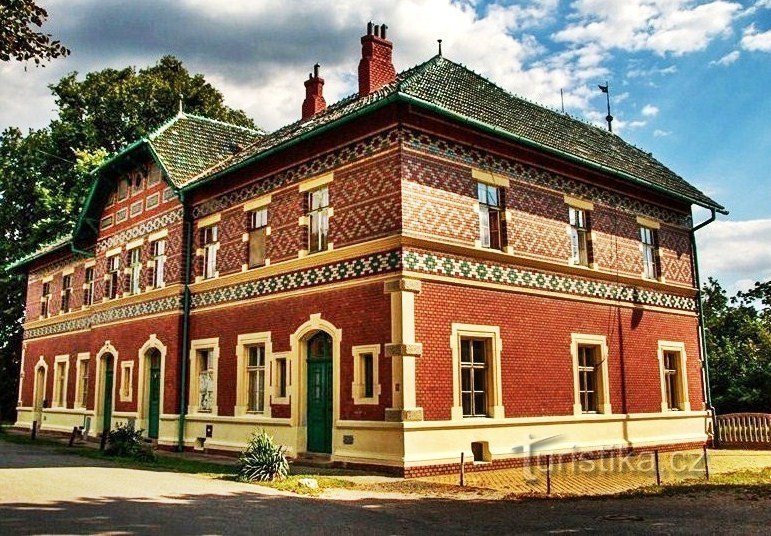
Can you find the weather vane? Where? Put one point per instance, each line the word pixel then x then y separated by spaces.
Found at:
pixel 609 118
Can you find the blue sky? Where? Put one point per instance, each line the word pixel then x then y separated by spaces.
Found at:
pixel 690 79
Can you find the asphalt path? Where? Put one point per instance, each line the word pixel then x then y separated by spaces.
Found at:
pixel 45 492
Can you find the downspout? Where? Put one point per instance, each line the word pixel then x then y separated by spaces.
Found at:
pixel 702 337
pixel 187 226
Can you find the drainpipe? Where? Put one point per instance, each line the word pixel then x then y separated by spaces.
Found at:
pixel 700 309
pixel 187 226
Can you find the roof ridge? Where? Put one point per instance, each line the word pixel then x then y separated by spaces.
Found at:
pixel 164 126
pixel 258 130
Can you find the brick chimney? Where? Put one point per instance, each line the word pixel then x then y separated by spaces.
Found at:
pixel 375 68
pixel 314 99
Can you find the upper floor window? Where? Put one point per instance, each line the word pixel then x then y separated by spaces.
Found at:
pixel 209 240
pixel 490 210
pixel 579 236
pixel 258 227
pixel 255 370
pixel 113 276
pixel 650 253
pixel 135 267
pixel 137 179
pixel 159 263
pixel 88 286
pixel 318 219
pixel 45 300
pixel 123 189
pixel 66 293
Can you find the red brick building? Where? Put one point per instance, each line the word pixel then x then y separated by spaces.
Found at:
pixel 428 264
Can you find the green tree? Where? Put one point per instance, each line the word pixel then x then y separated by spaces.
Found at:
pixel 44 175
pixel 738 337
pixel 18 38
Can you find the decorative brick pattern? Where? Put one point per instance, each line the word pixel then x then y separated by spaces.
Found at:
pixel 147 226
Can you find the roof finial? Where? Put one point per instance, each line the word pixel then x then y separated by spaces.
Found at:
pixel 440 46
pixel 181 104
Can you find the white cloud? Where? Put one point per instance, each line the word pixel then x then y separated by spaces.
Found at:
pixel 728 59
pixel 735 251
pixel 658 133
pixel 649 110
pixel 647 73
pixel 754 40
pixel 660 26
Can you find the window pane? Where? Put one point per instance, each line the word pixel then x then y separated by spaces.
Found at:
pixel 466 402
pixel 480 407
pixel 465 379
pixel 480 354
pixel 480 379
pixel 465 351
pixel 484 226
pixel 257 247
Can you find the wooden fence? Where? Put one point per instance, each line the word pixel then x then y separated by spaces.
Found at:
pixel 748 430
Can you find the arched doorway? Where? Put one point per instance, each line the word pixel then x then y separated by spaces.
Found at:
pixel 152 400
pixel 40 394
pixel 319 392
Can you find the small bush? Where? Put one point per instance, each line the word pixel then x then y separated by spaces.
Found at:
pixel 125 442
pixel 262 460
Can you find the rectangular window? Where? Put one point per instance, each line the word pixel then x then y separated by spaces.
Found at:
pixel 88 286
pixel 255 370
pixel 474 376
pixel 579 236
pixel 123 189
pixel 281 377
pixel 159 263
pixel 66 293
pixel 82 387
pixel 135 265
pixel 152 201
pixel 45 300
pixel 258 227
pixel 588 376
pixel 650 253
pixel 490 210
pixel 61 384
pixel 672 380
pixel 154 177
pixel 126 380
pixel 113 276
pixel 318 219
pixel 105 222
pixel 209 241
pixel 205 379
pixel 137 180
pixel 368 387
pixel 121 215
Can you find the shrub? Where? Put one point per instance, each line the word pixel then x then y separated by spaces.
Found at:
pixel 262 460
pixel 126 442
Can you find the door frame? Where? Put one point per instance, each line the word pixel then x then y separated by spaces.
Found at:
pixel 107 351
pixel 299 354
pixel 39 391
pixel 143 389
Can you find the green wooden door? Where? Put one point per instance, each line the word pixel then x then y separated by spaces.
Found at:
pixel 154 397
pixel 107 408
pixel 320 393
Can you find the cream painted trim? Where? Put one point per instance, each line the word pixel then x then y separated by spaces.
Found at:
pixel 68 271
pixel 21 374
pixel 209 220
pixel 47 279
pixel 126 381
pixel 275 398
pixel 195 345
pixel 576 202
pixel 316 182
pixel 682 375
pixel 242 385
pixel 258 202
pixel 647 222
pixel 157 235
pixel 135 243
pixel 357 387
pixel 495 407
pixel 99 397
pixel 114 251
pixel 143 377
pixel 39 389
pixel 81 361
pixel 89 263
pixel 603 395
pixel 488 177
pixel 57 395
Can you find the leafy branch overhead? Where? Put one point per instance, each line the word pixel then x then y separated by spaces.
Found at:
pixel 19 38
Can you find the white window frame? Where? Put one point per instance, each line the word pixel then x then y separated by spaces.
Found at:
pixel 110 287
pixel 485 238
pixel 158 262
pixel 209 251
pixel 126 391
pixel 682 375
pixel 243 342
pixel 318 216
pixel 358 385
pixel 59 399
pixel 603 385
pixel 81 366
pixel 45 298
pixel 196 345
pixel 576 228
pixel 66 291
pixel 88 286
pixel 495 408
pixel 276 397
pixel 650 253
pixel 134 269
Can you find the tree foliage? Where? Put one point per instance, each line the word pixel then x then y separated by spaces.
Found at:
pixel 738 337
pixel 19 40
pixel 44 175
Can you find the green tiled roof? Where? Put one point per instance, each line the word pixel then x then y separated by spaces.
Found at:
pixel 63 242
pixel 452 88
pixel 190 144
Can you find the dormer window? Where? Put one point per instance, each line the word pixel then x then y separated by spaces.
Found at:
pixel 123 189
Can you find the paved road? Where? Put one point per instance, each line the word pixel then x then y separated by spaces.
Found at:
pixel 42 492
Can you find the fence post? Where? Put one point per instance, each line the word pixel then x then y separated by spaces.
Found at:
pixel 706 463
pixel 33 431
pixel 103 441
pixel 548 474
pixel 462 469
pixel 658 472
pixel 72 436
